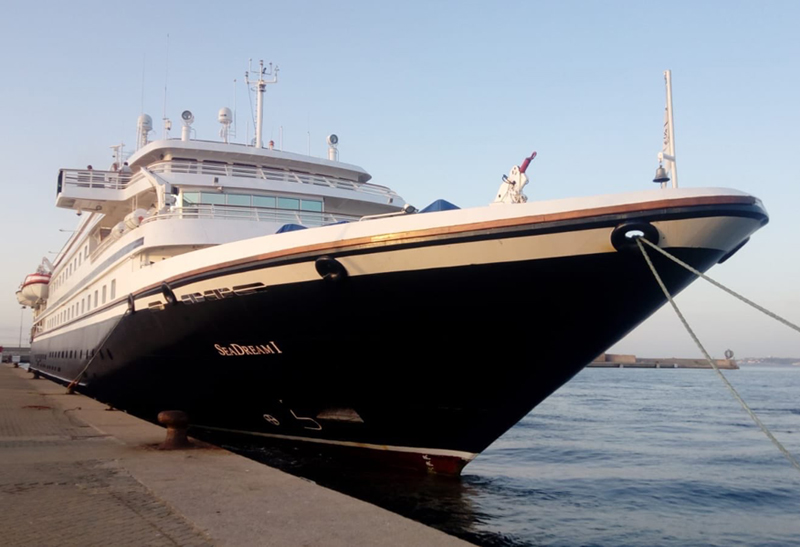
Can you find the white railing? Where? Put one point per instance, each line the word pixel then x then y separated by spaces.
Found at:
pixel 268 173
pixel 229 212
pixel 115 180
pixel 91 178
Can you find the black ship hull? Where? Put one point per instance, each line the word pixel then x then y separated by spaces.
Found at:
pixel 425 368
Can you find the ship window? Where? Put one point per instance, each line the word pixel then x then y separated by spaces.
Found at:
pixel 239 199
pixel 311 205
pixel 83 301
pixel 288 203
pixel 113 288
pixel 104 294
pixel 80 259
pixel 191 198
pixel 264 201
pixel 207 198
pixel 86 252
pixel 95 299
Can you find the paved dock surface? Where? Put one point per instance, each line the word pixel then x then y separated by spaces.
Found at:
pixel 74 473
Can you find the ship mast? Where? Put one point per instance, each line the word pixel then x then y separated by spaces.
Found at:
pixel 261 86
pixel 668 152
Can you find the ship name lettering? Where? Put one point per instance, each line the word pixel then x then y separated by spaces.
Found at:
pixel 237 350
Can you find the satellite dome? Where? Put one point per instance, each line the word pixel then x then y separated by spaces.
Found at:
pixel 225 116
pixel 145 122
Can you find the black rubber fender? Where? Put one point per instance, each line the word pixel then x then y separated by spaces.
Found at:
pixel 169 294
pixel 623 243
pixel 131 304
pixel 330 269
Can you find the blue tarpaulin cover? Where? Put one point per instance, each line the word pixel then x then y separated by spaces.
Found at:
pixel 439 205
pixel 290 228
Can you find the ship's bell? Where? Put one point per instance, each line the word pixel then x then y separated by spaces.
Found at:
pixel 661 175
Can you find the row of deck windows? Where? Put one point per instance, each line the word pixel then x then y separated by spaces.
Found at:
pixel 247 200
pixel 75 354
pixel 84 305
pixel 71 268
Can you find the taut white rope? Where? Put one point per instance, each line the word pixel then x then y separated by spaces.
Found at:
pixel 735 393
pixel 721 286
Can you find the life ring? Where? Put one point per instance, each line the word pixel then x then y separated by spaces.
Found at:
pixel 168 294
pixel 624 236
pixel 728 354
pixel 330 269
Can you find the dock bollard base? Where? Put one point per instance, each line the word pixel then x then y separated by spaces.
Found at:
pixel 177 423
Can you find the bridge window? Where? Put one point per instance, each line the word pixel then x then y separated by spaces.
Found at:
pixel 311 205
pixel 288 203
pixel 212 199
pixel 238 199
pixel 191 198
pixel 264 201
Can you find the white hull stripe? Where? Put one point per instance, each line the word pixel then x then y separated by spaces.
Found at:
pixel 466 456
pixel 726 232
pixel 721 233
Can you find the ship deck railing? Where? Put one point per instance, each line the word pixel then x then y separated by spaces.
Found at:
pixel 262 214
pixel 93 178
pixel 219 169
pixel 118 180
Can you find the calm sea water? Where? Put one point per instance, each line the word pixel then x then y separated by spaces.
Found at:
pixel 614 458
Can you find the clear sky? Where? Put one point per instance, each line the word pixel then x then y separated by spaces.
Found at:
pixel 436 100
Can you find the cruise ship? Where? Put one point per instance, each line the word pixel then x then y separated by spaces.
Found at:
pixel 275 295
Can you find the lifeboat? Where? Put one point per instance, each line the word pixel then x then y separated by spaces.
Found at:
pixel 22 299
pixel 34 289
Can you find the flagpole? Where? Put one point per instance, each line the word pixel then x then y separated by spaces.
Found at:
pixel 668 78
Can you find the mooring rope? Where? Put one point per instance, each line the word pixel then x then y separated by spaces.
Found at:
pixel 721 286
pixel 735 393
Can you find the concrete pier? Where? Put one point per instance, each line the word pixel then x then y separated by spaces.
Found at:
pixel 610 360
pixel 73 472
